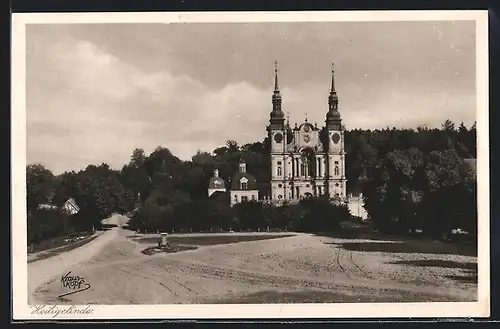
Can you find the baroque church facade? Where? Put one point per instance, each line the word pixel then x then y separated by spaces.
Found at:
pixel 306 161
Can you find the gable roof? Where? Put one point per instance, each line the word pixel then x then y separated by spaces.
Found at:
pixel 71 203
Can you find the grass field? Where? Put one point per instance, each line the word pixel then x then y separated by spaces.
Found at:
pixel 209 239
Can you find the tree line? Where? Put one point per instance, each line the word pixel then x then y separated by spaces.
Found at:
pixel 410 179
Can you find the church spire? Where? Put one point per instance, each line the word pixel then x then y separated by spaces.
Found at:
pixel 333 115
pixel 332 90
pixel 276 87
pixel 333 98
pixel 277 115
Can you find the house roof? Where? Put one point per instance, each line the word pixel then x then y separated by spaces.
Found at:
pixel 71 202
pixel 216 183
pixel 235 183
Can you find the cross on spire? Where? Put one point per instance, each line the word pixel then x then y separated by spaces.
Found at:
pixel 332 90
pixel 276 87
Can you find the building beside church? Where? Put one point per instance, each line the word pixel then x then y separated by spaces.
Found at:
pixel 243 186
pixel 306 161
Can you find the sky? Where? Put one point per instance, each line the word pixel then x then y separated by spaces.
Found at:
pixel 95 92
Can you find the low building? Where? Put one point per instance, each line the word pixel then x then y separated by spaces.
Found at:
pixel 356 205
pixel 243 186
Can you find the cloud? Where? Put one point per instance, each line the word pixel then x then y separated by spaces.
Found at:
pixel 88 104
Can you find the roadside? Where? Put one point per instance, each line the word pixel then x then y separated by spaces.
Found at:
pixel 42 271
pixel 80 241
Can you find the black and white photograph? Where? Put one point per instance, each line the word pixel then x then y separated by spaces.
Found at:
pixel 282 164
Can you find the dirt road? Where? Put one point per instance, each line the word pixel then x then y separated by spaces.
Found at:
pixel 119 273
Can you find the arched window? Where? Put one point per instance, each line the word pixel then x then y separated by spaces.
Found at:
pixel 279 171
pixel 244 183
pixel 253 197
pixel 336 170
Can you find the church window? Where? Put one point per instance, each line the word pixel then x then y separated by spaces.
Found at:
pixel 253 197
pixel 279 171
pixel 307 185
pixel 280 197
pixel 244 198
pixel 336 162
pixel 336 170
pixel 337 185
pixel 235 198
pixel 244 185
pixel 280 186
pixel 279 163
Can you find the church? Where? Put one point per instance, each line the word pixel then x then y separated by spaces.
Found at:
pixel 305 161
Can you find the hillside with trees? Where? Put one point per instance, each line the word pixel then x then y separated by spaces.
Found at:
pixel 410 179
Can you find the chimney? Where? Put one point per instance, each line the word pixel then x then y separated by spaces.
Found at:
pixel 216 172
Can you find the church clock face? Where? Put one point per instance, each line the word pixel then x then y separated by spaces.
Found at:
pixel 335 138
pixel 278 138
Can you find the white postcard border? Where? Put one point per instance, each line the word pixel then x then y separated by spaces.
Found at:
pixel 21 309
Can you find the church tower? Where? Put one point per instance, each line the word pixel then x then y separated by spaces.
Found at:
pixel 336 181
pixel 277 134
pixel 306 161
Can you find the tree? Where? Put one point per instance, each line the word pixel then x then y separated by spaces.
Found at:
pixel 138 158
pixel 40 185
pixel 448 126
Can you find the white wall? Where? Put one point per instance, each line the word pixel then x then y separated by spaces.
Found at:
pixel 356 207
pixel 239 193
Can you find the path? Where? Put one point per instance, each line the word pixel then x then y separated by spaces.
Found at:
pixel 44 270
pixel 120 274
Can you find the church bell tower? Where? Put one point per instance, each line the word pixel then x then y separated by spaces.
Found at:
pixel 277 138
pixel 336 181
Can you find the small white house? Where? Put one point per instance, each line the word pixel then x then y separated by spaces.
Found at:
pixel 70 207
pixel 356 206
pixel 243 186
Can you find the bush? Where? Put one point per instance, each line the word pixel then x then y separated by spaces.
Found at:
pixel 45 224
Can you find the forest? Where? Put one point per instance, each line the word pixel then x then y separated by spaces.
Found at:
pixel 411 179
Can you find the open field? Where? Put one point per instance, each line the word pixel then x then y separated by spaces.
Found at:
pixel 298 268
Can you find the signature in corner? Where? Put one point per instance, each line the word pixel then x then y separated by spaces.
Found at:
pixel 74 283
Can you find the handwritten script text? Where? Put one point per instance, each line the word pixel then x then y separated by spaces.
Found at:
pixel 74 283
pixel 55 310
